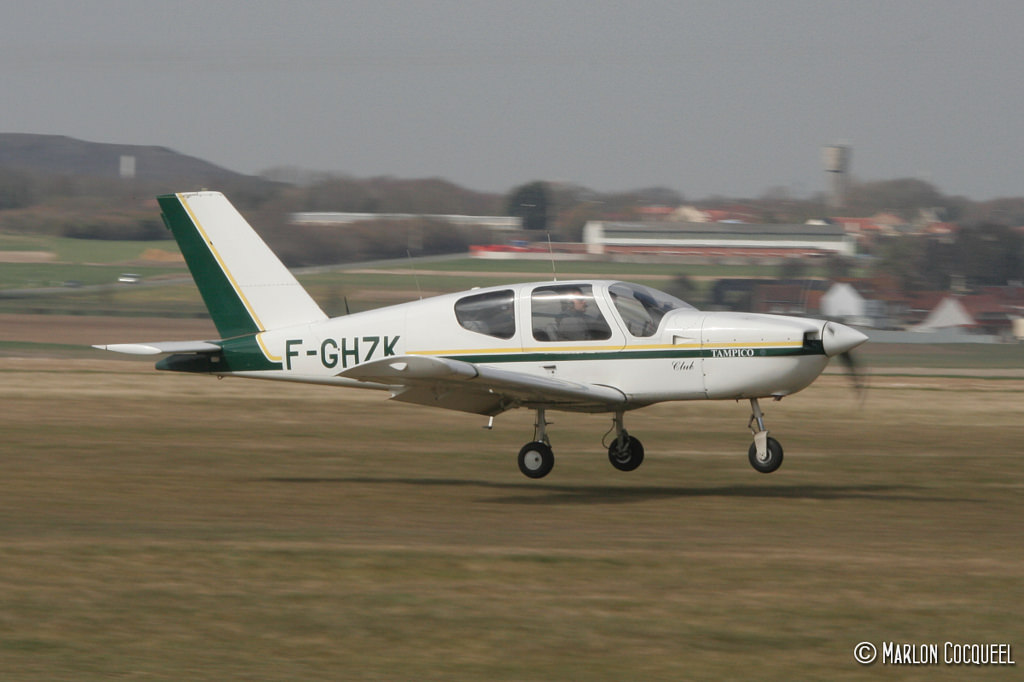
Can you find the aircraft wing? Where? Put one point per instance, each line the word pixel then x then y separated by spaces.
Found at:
pixel 480 389
pixel 158 347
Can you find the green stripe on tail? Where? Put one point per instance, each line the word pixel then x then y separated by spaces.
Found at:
pixel 229 312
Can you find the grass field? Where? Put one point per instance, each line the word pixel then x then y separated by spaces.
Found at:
pixel 84 251
pixel 85 261
pixel 157 526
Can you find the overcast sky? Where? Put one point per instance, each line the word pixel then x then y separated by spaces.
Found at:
pixel 711 97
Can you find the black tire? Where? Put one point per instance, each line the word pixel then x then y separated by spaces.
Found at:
pixel 536 460
pixel 629 457
pixel 774 460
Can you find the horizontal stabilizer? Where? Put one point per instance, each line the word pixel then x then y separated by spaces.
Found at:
pixel 159 347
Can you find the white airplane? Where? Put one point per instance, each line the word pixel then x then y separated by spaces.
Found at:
pixel 578 346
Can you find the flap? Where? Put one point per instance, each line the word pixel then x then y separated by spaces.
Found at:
pixel 480 389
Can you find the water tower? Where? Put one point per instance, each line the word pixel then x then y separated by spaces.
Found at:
pixel 837 164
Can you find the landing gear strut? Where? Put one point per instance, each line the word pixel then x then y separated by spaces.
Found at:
pixel 536 458
pixel 765 453
pixel 625 453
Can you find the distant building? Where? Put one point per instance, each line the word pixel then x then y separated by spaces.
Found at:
pixel 718 239
pixel 500 222
pixel 126 167
pixel 836 159
pixel 950 312
pixel 992 311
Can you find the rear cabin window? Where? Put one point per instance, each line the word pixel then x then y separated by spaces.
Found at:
pixel 492 313
pixel 567 313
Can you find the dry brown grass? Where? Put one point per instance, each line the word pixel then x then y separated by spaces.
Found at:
pixel 27 256
pixel 85 330
pixel 157 526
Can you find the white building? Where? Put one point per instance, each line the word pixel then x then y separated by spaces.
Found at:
pixel 727 238
pixel 337 218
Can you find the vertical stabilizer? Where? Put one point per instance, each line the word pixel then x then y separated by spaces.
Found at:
pixel 246 288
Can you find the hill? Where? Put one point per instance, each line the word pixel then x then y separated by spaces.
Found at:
pixel 61 155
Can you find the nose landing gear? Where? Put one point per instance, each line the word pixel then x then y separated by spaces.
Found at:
pixel 765 453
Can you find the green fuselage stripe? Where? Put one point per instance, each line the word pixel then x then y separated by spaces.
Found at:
pixel 241 354
pixel 675 354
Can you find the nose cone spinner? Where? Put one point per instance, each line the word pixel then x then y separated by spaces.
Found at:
pixel 837 338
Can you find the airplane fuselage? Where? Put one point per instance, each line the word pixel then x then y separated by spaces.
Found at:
pixel 688 355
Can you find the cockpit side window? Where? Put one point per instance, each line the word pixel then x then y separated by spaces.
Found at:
pixel 642 308
pixel 567 313
pixel 491 313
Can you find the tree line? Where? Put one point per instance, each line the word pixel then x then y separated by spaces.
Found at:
pixel 987 249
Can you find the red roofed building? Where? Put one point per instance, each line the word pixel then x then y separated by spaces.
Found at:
pixel 992 310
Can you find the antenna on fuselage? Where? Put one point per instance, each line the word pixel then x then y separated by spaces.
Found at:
pixel 551 253
pixel 414 275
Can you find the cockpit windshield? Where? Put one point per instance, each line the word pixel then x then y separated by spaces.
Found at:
pixel 642 308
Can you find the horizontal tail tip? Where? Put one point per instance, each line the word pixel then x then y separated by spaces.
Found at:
pixel 158 347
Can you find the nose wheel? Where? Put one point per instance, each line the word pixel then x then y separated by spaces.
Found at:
pixel 770 461
pixel 765 452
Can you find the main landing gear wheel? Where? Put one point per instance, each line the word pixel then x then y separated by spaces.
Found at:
pixel 536 459
pixel 626 454
pixel 772 459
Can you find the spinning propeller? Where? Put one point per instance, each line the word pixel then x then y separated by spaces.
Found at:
pixel 839 341
pixel 855 371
